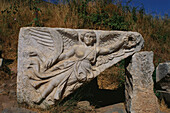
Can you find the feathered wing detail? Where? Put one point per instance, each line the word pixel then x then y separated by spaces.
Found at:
pixel 58 42
pixel 42 37
pixel 48 38
pixel 69 37
pixel 108 38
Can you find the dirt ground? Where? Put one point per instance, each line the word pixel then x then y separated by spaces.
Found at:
pixel 8 93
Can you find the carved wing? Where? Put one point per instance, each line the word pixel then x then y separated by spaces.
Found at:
pixel 69 37
pixel 48 38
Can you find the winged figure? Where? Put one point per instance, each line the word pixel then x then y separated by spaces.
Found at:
pixel 74 58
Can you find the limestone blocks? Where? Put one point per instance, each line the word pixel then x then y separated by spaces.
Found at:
pixel 140 97
pixel 53 62
pixel 163 81
pixel 162 70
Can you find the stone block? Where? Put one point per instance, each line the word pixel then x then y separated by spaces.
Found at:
pixel 53 62
pixel 162 70
pixel 140 97
pixel 163 81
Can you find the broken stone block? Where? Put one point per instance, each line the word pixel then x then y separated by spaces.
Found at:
pixel 162 70
pixel 54 62
pixel 163 81
pixel 140 97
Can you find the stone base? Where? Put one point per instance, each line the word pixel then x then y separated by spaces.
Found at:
pixel 140 97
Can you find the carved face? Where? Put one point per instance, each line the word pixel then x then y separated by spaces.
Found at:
pixel 89 39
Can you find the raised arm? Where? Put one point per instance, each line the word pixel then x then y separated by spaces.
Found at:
pixel 111 48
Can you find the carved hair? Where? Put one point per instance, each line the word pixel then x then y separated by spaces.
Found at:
pixel 93 34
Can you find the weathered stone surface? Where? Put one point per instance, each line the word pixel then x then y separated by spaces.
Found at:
pixel 162 70
pixel 53 62
pixel 140 97
pixel 84 105
pixel 163 81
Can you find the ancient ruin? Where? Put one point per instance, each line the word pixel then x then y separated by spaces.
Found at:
pixel 53 62
pixel 163 81
pixel 140 97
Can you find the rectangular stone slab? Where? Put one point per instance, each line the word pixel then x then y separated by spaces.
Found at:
pixel 53 62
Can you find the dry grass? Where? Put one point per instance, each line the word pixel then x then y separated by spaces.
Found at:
pixel 111 78
pixel 163 107
pixel 66 16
